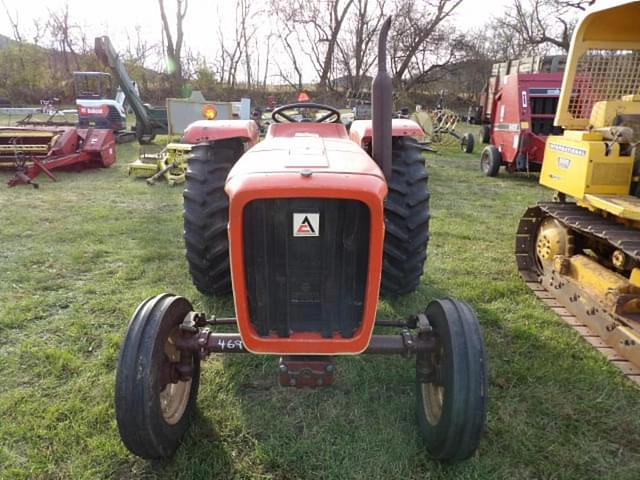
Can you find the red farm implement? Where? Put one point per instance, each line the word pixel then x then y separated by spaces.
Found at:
pixel 517 111
pixel 31 150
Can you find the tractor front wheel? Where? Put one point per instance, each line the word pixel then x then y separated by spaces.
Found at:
pixel 452 405
pixel 406 216
pixel 154 399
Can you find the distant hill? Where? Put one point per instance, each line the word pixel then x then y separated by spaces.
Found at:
pixel 4 40
pixel 37 72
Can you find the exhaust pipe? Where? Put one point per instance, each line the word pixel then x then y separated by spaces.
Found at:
pixel 382 106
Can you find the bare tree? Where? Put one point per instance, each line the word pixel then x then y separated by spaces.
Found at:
pixel 173 48
pixel 137 54
pixel 330 32
pixel 317 24
pixel 355 45
pixel 247 31
pixel 62 32
pixel 543 23
pixel 240 52
pixel 15 27
pixel 291 44
pixel 39 29
pixel 230 54
pixel 268 59
pixel 138 48
pixel 421 46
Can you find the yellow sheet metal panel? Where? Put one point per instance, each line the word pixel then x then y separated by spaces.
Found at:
pixel 179 146
pixel 634 279
pixel 623 206
pixel 611 22
pixel 598 280
pixel 580 136
pixel 142 169
pixel 604 113
pixel 11 133
pixel 578 167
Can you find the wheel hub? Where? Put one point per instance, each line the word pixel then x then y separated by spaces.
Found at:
pixel 174 397
pixel 433 392
pixel 553 239
pixel 484 162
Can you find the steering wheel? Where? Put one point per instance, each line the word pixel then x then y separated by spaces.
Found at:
pixel 278 114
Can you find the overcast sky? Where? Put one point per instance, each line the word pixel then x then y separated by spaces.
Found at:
pixel 117 17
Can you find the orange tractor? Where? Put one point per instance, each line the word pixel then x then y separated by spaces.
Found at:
pixel 305 229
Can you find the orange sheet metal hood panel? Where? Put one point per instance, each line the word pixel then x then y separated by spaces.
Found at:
pixel 321 148
pixel 306 161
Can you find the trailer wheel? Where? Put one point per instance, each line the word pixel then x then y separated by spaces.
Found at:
pixel 452 409
pixel 485 134
pixel 406 212
pixel 206 215
pixel 152 411
pixel 467 143
pixel 490 161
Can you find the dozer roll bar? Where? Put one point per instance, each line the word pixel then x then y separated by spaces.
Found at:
pixel 603 62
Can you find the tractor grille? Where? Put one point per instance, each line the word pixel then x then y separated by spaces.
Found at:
pixel 306 283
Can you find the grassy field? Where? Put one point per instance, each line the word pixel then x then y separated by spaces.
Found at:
pixel 77 256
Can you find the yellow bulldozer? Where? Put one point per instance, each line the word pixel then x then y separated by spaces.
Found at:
pixel 584 247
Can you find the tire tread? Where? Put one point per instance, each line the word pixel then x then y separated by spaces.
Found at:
pixel 406 220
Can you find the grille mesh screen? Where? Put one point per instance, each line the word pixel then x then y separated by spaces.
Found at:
pixel 604 75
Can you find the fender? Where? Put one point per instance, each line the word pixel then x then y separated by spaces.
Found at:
pixel 211 130
pixel 361 130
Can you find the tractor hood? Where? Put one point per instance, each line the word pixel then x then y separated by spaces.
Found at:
pixel 306 149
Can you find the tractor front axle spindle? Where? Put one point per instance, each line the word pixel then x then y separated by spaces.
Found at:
pixel 205 342
pixel 300 370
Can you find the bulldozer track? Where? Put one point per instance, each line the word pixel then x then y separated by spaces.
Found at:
pixel 587 223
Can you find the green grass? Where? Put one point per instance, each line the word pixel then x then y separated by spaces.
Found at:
pixel 77 256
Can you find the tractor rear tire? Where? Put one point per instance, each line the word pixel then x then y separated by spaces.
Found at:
pixel 467 143
pixel 206 214
pixel 452 409
pixel 490 161
pixel 406 212
pixel 152 418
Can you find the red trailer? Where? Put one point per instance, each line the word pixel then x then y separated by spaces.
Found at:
pixel 518 107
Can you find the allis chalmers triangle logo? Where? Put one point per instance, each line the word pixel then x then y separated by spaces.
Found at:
pixel 306 224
